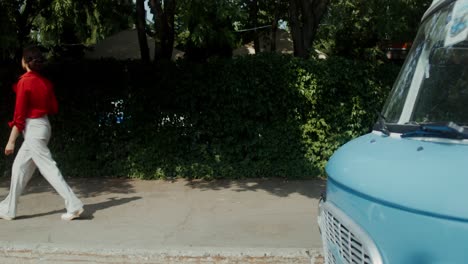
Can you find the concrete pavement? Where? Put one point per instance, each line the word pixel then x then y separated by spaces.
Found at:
pixel 181 221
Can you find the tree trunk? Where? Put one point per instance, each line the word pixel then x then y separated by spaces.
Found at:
pixel 274 26
pixel 164 13
pixel 254 19
pixel 296 28
pixel 169 10
pixel 23 27
pixel 141 29
pixel 305 16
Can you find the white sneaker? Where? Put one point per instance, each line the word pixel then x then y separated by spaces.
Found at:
pixel 71 216
pixel 5 217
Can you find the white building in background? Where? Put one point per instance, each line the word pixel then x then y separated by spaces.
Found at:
pixel 123 46
pixel 284 45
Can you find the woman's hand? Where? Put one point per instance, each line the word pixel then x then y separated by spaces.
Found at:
pixel 10 148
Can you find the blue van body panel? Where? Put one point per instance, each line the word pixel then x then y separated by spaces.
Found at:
pixel 401 236
pixel 416 176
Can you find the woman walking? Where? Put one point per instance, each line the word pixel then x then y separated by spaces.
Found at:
pixel 35 100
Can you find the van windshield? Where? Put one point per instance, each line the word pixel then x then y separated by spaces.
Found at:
pixel 433 84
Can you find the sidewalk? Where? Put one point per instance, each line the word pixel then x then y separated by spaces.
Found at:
pixel 133 221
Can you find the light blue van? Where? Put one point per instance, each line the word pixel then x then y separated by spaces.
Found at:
pixel 399 195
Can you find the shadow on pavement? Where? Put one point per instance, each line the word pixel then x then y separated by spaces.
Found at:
pixel 279 187
pixel 83 187
pixel 90 209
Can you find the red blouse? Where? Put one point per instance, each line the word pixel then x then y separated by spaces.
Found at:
pixel 34 98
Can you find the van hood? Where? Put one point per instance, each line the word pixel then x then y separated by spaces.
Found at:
pixel 419 176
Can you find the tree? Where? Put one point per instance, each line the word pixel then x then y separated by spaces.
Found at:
pixel 164 18
pixel 278 10
pixel 261 19
pixel 7 31
pixel 66 22
pixel 357 28
pixel 140 23
pixel 207 28
pixel 59 23
pixel 304 19
pixel 253 18
pixel 17 21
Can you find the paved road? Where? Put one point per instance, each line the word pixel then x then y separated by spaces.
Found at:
pixel 134 221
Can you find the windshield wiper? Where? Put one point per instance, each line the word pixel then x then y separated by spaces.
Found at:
pixel 440 130
pixel 382 125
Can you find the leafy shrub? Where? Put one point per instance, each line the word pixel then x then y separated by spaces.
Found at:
pixel 255 116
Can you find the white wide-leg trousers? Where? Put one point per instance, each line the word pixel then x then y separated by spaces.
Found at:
pixel 33 154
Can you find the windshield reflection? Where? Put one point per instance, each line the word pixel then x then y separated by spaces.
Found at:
pixel 433 84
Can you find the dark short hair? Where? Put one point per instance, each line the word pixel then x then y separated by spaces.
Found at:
pixel 34 58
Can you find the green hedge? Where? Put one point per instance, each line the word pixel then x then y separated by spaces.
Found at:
pixel 254 116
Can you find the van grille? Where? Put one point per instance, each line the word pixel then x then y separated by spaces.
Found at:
pixel 345 240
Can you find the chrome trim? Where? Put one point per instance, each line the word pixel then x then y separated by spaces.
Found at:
pixel 362 237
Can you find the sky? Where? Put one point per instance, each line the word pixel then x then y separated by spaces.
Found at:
pixel 149 16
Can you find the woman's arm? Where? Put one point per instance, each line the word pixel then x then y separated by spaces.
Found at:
pixel 21 105
pixel 19 117
pixel 10 147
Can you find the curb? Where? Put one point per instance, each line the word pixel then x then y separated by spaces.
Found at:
pixel 46 253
